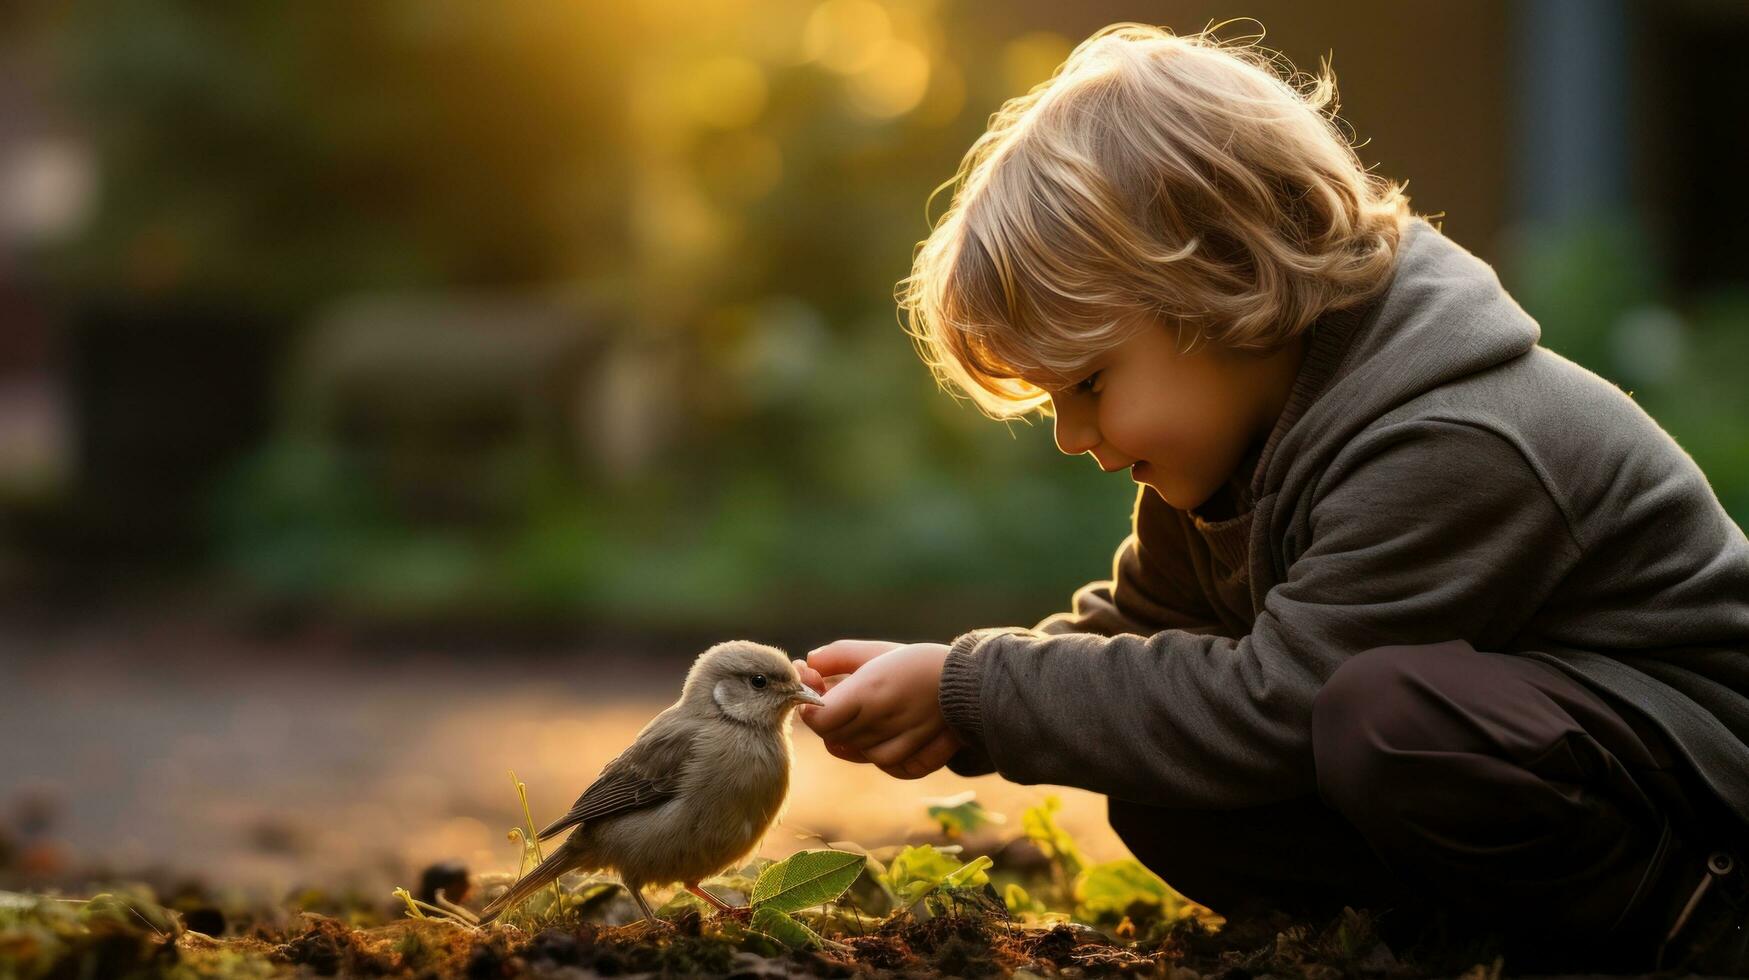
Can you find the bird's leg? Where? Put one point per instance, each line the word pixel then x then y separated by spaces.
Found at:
pixel 693 887
pixel 739 912
pixel 638 896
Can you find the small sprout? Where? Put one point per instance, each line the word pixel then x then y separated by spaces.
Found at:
pixel 465 914
pixel 971 874
pixel 417 909
pixel 533 842
pixel 412 903
pixel 921 872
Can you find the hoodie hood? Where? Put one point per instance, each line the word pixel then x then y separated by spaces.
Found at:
pixel 1364 362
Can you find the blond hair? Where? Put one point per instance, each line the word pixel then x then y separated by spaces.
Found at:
pixel 1182 179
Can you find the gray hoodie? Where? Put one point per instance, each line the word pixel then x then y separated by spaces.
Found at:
pixel 1435 475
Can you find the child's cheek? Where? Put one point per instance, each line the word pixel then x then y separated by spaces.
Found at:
pixel 1140 427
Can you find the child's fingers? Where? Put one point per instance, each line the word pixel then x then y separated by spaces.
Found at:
pixel 909 769
pixel 844 656
pixel 846 752
pixel 898 748
pixel 841 710
pixel 810 677
pixel 936 753
pixel 868 727
pixel 849 716
pixel 806 713
pixel 931 757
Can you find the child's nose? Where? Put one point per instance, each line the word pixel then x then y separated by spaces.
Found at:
pixel 1075 432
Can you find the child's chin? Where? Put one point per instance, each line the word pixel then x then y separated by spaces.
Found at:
pixel 1148 478
pixel 1163 495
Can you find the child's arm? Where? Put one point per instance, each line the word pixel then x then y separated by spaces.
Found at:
pixel 1149 591
pixel 1188 720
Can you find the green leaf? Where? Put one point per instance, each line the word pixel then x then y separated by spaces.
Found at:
pixel 783 927
pixel 1107 891
pixel 918 870
pixel 969 875
pixel 921 869
pixel 805 879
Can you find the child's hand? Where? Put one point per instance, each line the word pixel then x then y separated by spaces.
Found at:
pixel 828 665
pixel 885 712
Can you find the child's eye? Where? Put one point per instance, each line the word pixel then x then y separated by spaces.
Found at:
pixel 1086 384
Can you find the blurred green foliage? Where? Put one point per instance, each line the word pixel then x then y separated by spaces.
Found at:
pixel 740 186
pixel 280 159
pixel 741 183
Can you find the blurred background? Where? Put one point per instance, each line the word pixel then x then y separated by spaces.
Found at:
pixel 392 394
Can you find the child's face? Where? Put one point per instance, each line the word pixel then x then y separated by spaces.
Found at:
pixel 1185 420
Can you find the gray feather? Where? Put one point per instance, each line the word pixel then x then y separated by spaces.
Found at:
pixel 645 774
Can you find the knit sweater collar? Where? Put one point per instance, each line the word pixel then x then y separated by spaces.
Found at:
pixel 1329 340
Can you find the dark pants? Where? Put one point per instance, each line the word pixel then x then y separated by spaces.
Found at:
pixel 1492 786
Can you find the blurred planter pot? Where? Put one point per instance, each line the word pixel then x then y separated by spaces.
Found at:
pixel 445 399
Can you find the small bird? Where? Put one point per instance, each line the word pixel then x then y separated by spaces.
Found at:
pixel 694 792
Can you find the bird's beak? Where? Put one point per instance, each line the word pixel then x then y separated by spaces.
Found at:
pixel 805 695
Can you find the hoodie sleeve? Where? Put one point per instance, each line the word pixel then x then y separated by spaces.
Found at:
pixel 1427 530
pixel 1149 589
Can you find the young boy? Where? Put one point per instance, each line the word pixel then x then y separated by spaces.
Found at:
pixel 1414 609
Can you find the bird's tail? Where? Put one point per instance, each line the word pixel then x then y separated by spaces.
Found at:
pixel 544 873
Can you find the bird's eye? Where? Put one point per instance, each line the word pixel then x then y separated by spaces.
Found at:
pixel 759 681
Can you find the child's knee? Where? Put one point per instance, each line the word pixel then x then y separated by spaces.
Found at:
pixel 1371 706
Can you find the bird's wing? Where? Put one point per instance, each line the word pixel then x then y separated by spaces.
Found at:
pixel 642 776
